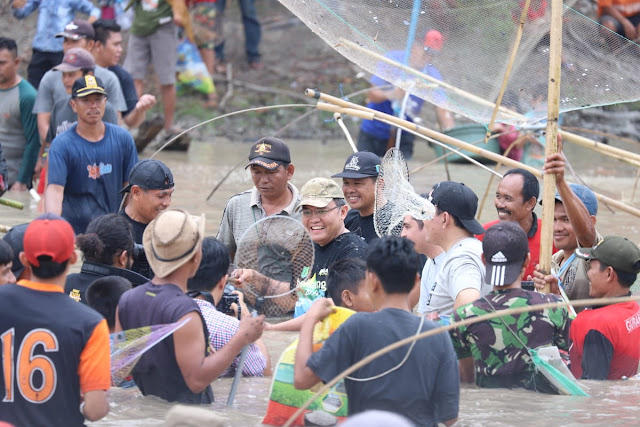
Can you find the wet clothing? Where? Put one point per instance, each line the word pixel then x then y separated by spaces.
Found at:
pixel 499 358
pixel 78 283
pixel 462 268
pixel 534 243
pixel 157 373
pixel 605 342
pixel 425 388
pixel 63 117
pixel 92 173
pixel 19 132
pixel 244 210
pixel 221 329
pixel 361 225
pixel 346 245
pixel 69 342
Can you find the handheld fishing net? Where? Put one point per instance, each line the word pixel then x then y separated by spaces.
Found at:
pixel 462 67
pixel 279 253
pixel 396 198
pixel 128 346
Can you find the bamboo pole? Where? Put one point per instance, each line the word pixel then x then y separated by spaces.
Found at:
pixel 551 145
pixel 616 153
pixel 11 203
pixel 345 107
pixel 4 228
pixel 505 80
pixel 470 321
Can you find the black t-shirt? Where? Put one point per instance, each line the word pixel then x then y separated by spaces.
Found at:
pixel 346 245
pixel 425 388
pixel 157 372
pixel 128 88
pixel 361 225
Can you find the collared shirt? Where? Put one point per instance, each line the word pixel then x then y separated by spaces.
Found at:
pixel 245 209
pixel 52 18
pixel 221 329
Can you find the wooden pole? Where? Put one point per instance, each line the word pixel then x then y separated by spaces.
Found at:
pixel 505 80
pixel 551 146
pixel 369 114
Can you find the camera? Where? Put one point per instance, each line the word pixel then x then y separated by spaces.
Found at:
pixel 140 263
pixel 224 305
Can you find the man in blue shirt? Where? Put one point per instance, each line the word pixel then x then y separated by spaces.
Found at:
pixel 89 163
pixel 53 16
pixel 376 136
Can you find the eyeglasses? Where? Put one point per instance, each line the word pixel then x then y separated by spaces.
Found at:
pixel 318 212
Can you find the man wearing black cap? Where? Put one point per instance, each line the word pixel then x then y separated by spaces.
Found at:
pixel 90 162
pixel 15 238
pixel 460 277
pixel 272 194
pixel 497 349
pixel 150 188
pixel 605 339
pixel 359 177
pixel 77 33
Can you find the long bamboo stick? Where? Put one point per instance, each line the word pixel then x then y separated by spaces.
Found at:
pixel 345 107
pixel 551 145
pixel 500 313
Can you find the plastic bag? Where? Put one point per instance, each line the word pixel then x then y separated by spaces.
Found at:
pixel 192 71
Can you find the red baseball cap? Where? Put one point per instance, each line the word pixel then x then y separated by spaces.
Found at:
pixel 433 40
pixel 49 235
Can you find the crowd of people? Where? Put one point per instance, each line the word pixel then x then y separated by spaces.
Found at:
pixel 147 263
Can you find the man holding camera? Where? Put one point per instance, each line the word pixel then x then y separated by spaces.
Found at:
pixel 150 189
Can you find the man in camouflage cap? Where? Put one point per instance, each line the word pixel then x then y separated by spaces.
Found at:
pixel 497 349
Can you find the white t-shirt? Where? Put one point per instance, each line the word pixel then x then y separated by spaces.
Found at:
pixel 428 280
pixel 460 269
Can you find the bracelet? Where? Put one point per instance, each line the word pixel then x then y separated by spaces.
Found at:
pixel 82 408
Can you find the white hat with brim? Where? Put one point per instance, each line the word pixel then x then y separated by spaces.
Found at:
pixel 171 239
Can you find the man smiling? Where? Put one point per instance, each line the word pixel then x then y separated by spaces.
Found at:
pixel 359 186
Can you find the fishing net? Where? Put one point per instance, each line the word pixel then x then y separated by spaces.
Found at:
pixel 128 346
pixel 461 66
pixel 280 254
pixel 396 198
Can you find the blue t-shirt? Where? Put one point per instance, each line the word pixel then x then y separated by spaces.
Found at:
pixel 414 105
pixel 92 173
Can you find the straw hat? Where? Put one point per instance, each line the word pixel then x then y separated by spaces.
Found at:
pixel 171 239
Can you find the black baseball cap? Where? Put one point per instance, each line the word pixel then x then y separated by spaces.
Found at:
pixel 15 239
pixel 617 252
pixel 459 200
pixel 269 152
pixel 86 85
pixel 362 164
pixel 505 246
pixel 78 29
pixel 150 174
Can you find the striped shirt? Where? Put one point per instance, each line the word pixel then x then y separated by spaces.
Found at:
pixel 221 329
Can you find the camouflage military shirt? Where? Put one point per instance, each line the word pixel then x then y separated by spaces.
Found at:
pixel 500 359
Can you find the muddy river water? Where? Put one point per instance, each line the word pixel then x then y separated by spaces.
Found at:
pixel 199 170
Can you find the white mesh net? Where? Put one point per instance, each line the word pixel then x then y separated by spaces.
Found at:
pixel 477 36
pixel 396 198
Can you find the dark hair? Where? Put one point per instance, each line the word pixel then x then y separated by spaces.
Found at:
pixel 345 274
pixel 530 186
pixel 106 236
pixel 48 269
pixel 103 29
pixel 626 279
pixel 456 220
pixel 10 45
pixel 395 262
pixel 104 294
pixel 214 265
pixel 6 253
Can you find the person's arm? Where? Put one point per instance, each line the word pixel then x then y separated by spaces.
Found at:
pixel 579 217
pixel 540 280
pixel 465 281
pixel 86 7
pixel 30 130
pixel 225 232
pixel 138 114
pixel 94 372
pixel 43 122
pixel 53 197
pixel 444 119
pixel 24 8
pixel 629 29
pixel 597 353
pixel 290 325
pixel 304 378
pixel 199 371
pixel 466 296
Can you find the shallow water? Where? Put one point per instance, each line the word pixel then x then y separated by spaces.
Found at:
pixel 199 170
